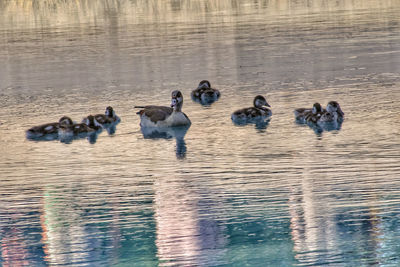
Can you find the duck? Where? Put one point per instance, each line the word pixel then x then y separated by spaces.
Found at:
pixel 332 113
pixel 161 116
pixel 300 114
pixel 204 93
pixel 333 107
pixel 92 122
pixel 256 113
pixel 314 114
pixel 48 128
pixel 74 129
pixel 108 118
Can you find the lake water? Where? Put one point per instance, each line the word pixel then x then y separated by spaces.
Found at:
pixel 282 194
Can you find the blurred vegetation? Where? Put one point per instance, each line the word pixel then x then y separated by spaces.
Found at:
pixel 35 13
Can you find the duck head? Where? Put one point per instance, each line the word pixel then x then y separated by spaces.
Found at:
pixel 333 107
pixel 65 121
pixel 316 108
pixel 259 101
pixel 110 112
pixel 176 100
pixel 204 84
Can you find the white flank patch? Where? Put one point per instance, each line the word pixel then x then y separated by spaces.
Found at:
pixel 96 123
pixel 175 119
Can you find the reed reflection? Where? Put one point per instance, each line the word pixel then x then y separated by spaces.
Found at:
pixel 67 237
pixel 186 236
pixel 14 246
pixel 168 133
pixel 326 234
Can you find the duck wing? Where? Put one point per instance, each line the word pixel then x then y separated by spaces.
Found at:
pixel 250 112
pixel 48 128
pixel 102 119
pixel 156 113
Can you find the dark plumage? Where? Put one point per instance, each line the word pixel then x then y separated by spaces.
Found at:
pixel 92 122
pixel 258 112
pixel 48 128
pixel 315 114
pixel 204 93
pixel 301 114
pixel 107 118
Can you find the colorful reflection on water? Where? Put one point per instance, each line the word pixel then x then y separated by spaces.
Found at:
pixel 217 193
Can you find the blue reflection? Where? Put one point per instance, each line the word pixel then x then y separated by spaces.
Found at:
pixel 325 127
pixel 319 128
pixel 260 124
pixel 205 100
pixel 168 133
pixel 47 137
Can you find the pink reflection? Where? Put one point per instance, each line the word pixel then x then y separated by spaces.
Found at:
pixel 14 250
pixel 183 237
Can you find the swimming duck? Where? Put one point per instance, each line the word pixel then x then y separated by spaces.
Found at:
pixel 333 113
pixel 300 114
pixel 66 129
pixel 92 122
pixel 107 118
pixel 333 107
pixel 160 116
pixel 314 115
pixel 48 128
pixel 256 113
pixel 204 93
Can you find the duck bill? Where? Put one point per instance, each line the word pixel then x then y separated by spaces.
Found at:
pixel 266 104
pixel 174 102
pixel 339 110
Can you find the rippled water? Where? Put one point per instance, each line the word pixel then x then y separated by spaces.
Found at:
pixel 219 194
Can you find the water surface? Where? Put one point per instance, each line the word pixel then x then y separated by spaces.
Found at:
pixel 281 194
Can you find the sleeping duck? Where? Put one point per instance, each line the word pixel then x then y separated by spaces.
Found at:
pixel 300 114
pixel 314 115
pixel 333 113
pixel 48 128
pixel 204 93
pixel 74 129
pixel 333 107
pixel 253 114
pixel 161 116
pixel 108 118
pixel 92 122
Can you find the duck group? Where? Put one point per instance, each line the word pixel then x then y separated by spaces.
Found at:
pixel 329 118
pixel 66 128
pixel 152 116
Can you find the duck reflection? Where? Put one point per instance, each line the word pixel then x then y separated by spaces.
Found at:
pixel 47 137
pixel 325 127
pixel 168 133
pixel 90 137
pixel 260 126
